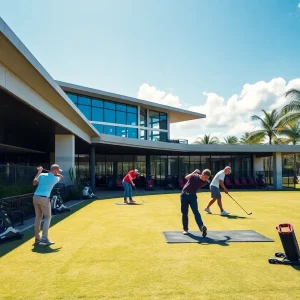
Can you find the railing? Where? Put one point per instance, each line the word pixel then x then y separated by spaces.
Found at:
pixel 180 141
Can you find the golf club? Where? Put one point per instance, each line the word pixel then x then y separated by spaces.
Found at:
pixel 240 206
pixel 139 194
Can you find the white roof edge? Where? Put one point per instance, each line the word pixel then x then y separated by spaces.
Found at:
pixel 126 98
pixel 12 37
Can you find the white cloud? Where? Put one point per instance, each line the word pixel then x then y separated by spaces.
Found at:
pixel 298 5
pixel 151 93
pixel 225 117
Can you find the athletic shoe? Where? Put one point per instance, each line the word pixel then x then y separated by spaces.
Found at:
pixel 207 210
pixel 185 232
pixel 46 242
pixel 224 213
pixel 37 240
pixel 204 231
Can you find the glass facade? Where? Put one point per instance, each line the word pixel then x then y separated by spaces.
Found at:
pixel 100 112
pixel 157 120
pixel 163 168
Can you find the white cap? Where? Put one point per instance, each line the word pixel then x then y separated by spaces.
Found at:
pixel 228 168
pixel 136 170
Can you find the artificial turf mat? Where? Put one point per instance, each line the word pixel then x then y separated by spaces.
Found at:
pixel 216 236
pixel 105 251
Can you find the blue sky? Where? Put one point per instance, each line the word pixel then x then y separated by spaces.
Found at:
pixel 179 47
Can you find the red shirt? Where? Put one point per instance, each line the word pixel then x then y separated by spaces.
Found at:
pixel 132 174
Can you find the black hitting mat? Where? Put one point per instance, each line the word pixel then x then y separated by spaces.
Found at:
pixel 215 237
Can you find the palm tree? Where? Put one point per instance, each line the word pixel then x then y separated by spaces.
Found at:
pixel 207 140
pixel 245 140
pixel 292 131
pixel 269 123
pixel 291 112
pixel 233 140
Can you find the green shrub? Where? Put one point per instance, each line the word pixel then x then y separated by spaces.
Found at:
pixel 15 190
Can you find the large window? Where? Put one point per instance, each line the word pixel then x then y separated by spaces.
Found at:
pixel 158 120
pixel 155 135
pixel 99 110
pixel 143 117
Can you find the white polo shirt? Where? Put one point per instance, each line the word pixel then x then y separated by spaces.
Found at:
pixel 219 176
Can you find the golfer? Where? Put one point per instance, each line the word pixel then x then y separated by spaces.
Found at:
pixel 215 190
pixel 188 198
pixel 127 182
pixel 42 203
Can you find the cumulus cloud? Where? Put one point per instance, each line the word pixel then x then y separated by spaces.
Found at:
pixel 151 93
pixel 298 5
pixel 225 117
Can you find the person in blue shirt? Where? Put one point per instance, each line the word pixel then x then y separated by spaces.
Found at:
pixel 42 203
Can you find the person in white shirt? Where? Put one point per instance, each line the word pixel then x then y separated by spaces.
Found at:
pixel 215 190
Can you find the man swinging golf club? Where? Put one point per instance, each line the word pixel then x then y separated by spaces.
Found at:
pixel 127 182
pixel 188 197
pixel 42 203
pixel 215 190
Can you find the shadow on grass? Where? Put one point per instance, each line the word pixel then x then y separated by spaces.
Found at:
pixel 231 216
pixel 208 241
pixel 234 217
pixel 128 204
pixel 29 234
pixel 44 249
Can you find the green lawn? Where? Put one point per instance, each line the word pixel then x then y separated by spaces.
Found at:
pixel 106 251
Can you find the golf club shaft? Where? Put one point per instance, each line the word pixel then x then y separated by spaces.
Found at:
pixel 138 194
pixel 239 205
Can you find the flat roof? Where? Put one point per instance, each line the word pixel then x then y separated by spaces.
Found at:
pixel 175 114
pixel 17 58
pixel 193 148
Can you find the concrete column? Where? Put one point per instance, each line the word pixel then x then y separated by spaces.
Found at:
pixel 168 127
pixel 148 165
pixel 258 165
pixel 92 168
pixel 65 154
pixel 139 122
pixel 277 170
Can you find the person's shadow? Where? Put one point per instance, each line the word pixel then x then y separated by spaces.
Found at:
pixel 209 241
pixel 234 217
pixel 44 249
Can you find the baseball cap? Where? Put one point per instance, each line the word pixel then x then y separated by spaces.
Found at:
pixel 228 168
pixel 136 170
pixel 56 167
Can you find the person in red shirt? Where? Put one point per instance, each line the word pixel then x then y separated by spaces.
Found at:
pixel 127 182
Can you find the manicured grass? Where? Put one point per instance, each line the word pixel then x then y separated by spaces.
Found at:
pixel 106 251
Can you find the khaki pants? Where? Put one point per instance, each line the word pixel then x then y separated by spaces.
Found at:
pixel 42 206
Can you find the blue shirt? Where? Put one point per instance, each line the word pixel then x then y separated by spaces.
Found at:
pixel 46 183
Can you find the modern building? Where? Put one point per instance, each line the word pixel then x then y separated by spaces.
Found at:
pixel 103 134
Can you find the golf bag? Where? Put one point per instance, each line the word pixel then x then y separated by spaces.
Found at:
pixel 169 185
pixel 291 255
pixel 87 192
pixel 57 205
pixel 7 230
pixel 149 183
